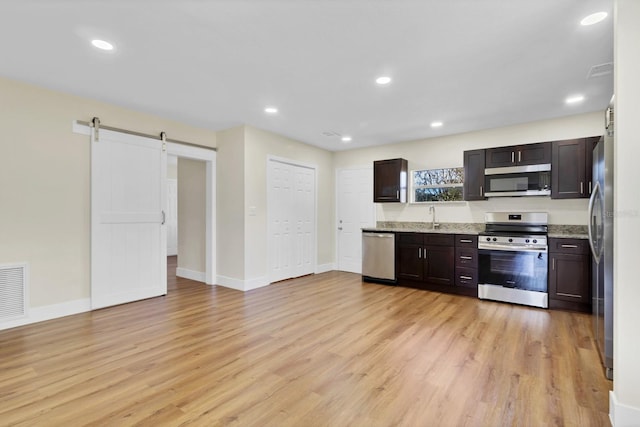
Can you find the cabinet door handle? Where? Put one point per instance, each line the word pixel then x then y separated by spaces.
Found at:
pixel 581 187
pixel 466 277
pixel 568 295
pixel 589 187
pixel 481 192
pixel 512 157
pixel 164 218
pixel 553 263
pixel 465 257
pixel 569 246
pixel 419 252
pixel 519 156
pixel 465 241
pixel 398 194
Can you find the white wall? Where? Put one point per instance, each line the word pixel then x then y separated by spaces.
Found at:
pixel 44 183
pixel 625 408
pixel 447 151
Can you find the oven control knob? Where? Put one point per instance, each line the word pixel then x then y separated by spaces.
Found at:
pixel 488 239
pixel 494 239
pixel 526 241
pixel 510 240
pixel 535 241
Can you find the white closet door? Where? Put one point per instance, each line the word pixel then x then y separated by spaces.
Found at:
pixel 128 200
pixel 355 211
pixel 291 213
pixel 303 212
pixel 172 217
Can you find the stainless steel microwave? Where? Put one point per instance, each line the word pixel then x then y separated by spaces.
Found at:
pixel 530 180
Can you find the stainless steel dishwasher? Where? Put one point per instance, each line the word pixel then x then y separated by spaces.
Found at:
pixel 379 257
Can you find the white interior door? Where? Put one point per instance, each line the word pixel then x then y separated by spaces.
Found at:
pixel 128 205
pixel 172 217
pixel 356 210
pixel 291 213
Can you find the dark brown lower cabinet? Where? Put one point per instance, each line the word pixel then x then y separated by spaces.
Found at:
pixel 467 262
pixel 427 261
pixel 569 274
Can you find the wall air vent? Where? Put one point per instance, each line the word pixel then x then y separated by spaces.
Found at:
pixel 600 70
pixel 13 291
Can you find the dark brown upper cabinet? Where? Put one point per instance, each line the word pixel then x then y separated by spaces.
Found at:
pixel 390 181
pixel 473 175
pixel 571 169
pixel 518 155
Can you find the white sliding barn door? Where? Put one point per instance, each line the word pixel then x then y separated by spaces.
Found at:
pixel 291 216
pixel 128 204
pixel 355 211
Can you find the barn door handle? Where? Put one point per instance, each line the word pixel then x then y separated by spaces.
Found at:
pixel 164 217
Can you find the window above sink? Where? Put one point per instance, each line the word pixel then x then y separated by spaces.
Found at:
pixel 437 185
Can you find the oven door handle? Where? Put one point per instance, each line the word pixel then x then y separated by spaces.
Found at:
pixel 509 248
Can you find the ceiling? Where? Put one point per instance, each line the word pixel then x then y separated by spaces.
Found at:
pixel 471 64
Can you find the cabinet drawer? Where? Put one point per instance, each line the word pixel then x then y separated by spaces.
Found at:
pixel 438 239
pixel 410 238
pixel 467 257
pixel 568 246
pixel 466 277
pixel 466 241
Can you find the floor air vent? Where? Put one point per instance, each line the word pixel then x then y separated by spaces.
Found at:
pixel 13 291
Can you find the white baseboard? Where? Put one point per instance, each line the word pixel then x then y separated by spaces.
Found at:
pixel 48 312
pixel 198 276
pixel 242 285
pixel 323 268
pixel 622 415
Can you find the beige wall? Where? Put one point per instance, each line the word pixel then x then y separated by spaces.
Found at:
pixel 259 145
pixel 192 186
pixel 626 384
pixel 44 183
pixel 242 200
pixel 447 151
pixel 230 203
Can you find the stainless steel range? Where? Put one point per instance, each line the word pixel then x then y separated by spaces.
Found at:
pixel 512 258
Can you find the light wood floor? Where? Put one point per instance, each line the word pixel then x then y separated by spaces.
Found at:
pixel 323 350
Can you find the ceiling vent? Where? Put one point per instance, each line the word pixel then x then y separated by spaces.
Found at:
pixel 600 70
pixel 331 134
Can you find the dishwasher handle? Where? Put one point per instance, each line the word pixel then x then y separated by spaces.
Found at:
pixel 382 235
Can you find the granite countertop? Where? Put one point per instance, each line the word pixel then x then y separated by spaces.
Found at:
pixel 425 227
pixel 568 231
pixel 555 230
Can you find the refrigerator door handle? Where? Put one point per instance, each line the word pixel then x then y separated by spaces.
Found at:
pixel 592 237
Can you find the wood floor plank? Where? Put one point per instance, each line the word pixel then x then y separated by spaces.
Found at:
pixel 321 350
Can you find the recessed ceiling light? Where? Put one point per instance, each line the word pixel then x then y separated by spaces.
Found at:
pixel 574 99
pixel 346 139
pixel 101 44
pixel 436 124
pixel 383 80
pixel 594 18
pixel 271 110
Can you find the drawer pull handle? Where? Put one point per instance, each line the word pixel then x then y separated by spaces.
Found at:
pixel 466 241
pixel 470 278
pixel 570 246
pixel 465 257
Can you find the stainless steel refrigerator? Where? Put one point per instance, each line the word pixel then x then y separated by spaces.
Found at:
pixel 601 218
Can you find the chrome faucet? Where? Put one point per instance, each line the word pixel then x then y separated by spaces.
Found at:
pixel 432 211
